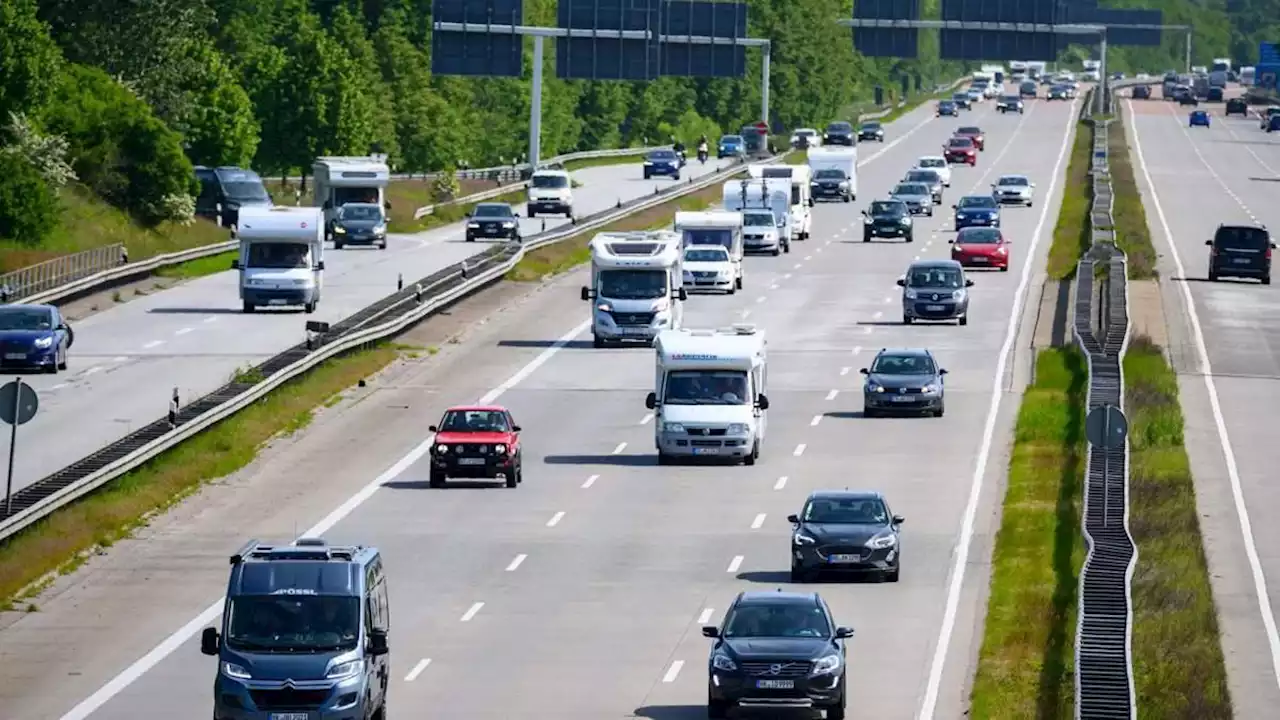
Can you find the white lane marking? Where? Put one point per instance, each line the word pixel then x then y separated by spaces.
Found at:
pixel 831 394
pixel 590 481
pixel 92 370
pixel 867 330
pixel 782 482
pixel 877 316
pixel 58 386
pixel 1224 438
pixel 773 286
pixel 645 420
pixel 735 563
pixel 787 276
pixel 857 349
pixel 153 343
pixel 916 257
pixel 618 450
pixel 758 522
pixel 211 318
pixel 814 422
pixel 705 616
pixel 745 313
pixel 183 331
pixel 120 358
pixel 796 266
pixel 844 371
pixel 471 612
pixel 516 562
pixel 807 258
pixel 166 647
pixel 961 556
pixel 799 450
pixel 417 670
pixel 887 300
pixel 555 519
pixel 760 299
pixel 673 672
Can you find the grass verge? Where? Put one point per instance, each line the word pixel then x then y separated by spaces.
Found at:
pixel 1132 233
pixel 62 541
pixel 1071 237
pixel 1178 667
pixel 1026 665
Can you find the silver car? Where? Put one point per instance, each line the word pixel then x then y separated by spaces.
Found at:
pixel 1014 189
pixel 916 195
pixel 929 177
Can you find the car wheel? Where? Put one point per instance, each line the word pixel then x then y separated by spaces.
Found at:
pixel 754 456
pixel 1266 279
pixel 382 245
pixel 646 176
pixel 597 341
pixel 337 245
pixel 910 237
pixel 907 319
pixel 964 319
pixel 309 307
pixel 437 479
pixel 868 412
pixel 929 212
pixel 717 709
pixel 249 307
pixel 738 283
pixel 940 411
pixel 664 459
pixel 799 576
pixel 1004 268
pixel 892 576
pixel 837 712
pixel 512 479
pixel 62 364
pixel 866 237
pixel 470 238
pixel 676 177
pixel 777 252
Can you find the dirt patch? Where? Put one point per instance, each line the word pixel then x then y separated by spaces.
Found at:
pixel 1146 312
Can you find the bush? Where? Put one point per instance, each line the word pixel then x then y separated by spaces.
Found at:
pixel 29 208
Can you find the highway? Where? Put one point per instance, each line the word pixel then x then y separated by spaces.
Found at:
pixel 129 358
pixel 1225 341
pixel 580 594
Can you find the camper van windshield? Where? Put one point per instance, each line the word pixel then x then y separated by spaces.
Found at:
pixel 344 195
pixel 633 284
pixel 278 256
pixel 293 623
pixel 757 219
pixel 708 236
pixel 706 387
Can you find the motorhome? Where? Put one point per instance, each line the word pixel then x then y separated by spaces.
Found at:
pixel 801 198
pixel 995 72
pixel 714 227
pixel 1248 75
pixel 1221 65
pixel 637 285
pixel 1092 70
pixel 843 159
pixel 750 197
pixel 281 258
pixel 342 180
pixel 709 394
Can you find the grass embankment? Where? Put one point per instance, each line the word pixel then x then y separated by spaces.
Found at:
pixel 1071 236
pixel 1133 235
pixel 62 541
pixel 1178 667
pixel 1026 665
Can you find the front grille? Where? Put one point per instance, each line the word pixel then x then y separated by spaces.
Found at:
pixel 706 443
pixel 473 450
pixel 643 319
pixel 705 275
pixel 289 699
pixel 784 669
pixel 902 391
pixel 712 432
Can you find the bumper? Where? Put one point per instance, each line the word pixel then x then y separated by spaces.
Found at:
pixel 992 261
pixel 888 402
pixel 807 692
pixel 886 231
pixel 489 467
pixel 871 137
pixel 1199 123
pixel 549 206
pixel 962 159
pixel 28 359
pixel 830 192
pixel 273 296
pixel 708 284
pixel 921 208
pixel 663 170
pixel 733 447
pixel 638 333
pixel 839 140
pixel 1251 270
pixel 933 309
pixel 496 232
pixel 1013 199
pixel 810 558
pixel 359 238
pixel 236 701
pixel 759 244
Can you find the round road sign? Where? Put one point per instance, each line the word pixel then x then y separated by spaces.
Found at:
pixel 1106 427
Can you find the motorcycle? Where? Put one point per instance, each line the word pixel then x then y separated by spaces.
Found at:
pixel 702 154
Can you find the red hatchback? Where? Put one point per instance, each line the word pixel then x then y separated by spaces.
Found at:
pixel 961 150
pixel 981 247
pixel 974 134
pixel 480 442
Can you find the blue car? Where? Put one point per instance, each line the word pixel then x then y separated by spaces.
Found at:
pixel 731 146
pixel 977 211
pixel 948 108
pixel 1199 117
pixel 662 162
pixel 34 337
pixel 1273 123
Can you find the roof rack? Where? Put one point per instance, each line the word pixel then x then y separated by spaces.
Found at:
pixel 303 549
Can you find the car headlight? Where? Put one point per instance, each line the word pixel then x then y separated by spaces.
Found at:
pixel 473 224
pixel 929 389
pixel 508 225
pixel 844 184
pixel 799 538
pixel 720 661
pixel 604 307
pixel 339 230
pixel 960 216
pixel 910 294
pixel 957 295
pixel 442 449
pixel 233 670
pixel 672 427
pixel 873 387
pixel 380 229
pixel 880 542
pixel 738 429
pixel 906 220
pixel 351 668
pixel 869 220
pixel 44 342
pixel 500 449
pixel 647 163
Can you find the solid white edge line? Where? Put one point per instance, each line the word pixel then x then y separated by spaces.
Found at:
pixel 1224 439
pixel 516 562
pixel 673 672
pixel 471 612
pixel 417 670
pixel 166 647
pixel 929 704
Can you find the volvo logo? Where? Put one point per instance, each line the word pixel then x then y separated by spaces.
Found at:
pixel 775 669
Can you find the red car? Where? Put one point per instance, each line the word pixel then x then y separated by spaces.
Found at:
pixel 961 150
pixel 479 442
pixel 981 247
pixel 974 134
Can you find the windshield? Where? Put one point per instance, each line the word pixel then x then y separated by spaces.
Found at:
pixel 1012 99
pixel 969 131
pixel 1028 86
pixel 26 318
pixel 846 511
pixel 977 202
pixel 706 387
pixel 494 211
pixel 932 163
pixel 887 208
pixel 662 156
pixel 731 139
pixel 839 127
pixel 474 421
pixel 1242 238
pixel 550 181
pixel 806 133
pixel 946 104
pixel 777 620
pixel 961 143
pixel 716 236
pixel 830 174
pixel 279 256
pixel 961 96
pixel 935 277
pixel 979 236
pixel 757 219
pixel 903 365
pixel 344 195
pixel 706 255
pixel 361 213
pixel 245 191
pixel 633 284
pixel 293 623
pixel 923 176
pixel 1010 181
pixel 871 126
pixel 911 189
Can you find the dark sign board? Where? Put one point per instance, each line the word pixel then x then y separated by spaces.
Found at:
pixel 999 45
pixel 707 19
pixel 609 58
pixel 886 9
pixel 496 12
pixel 1002 11
pixel 457 53
pixel 886 42
pixel 689 60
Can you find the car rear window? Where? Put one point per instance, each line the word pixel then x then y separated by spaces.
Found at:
pixel 1242 238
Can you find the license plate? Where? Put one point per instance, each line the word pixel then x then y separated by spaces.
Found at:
pixel 934 308
pixel 845 558
pixel 15 356
pixel 902 398
pixel 470 461
pixel 706 451
pixel 276 301
pixel 775 684
pixel 289 716
pixel 634 331
pixel 1242 261
pixel 978 259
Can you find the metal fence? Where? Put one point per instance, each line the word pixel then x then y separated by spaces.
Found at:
pixel 34 279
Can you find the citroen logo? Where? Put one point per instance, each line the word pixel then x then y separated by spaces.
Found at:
pixel 775 669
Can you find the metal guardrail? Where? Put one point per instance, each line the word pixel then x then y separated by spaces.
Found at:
pixel 1103 651
pixel 24 283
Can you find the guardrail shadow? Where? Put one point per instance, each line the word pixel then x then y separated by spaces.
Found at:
pixel 672 712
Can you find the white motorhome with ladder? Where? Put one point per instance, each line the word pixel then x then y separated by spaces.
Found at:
pixel 801 200
pixel 750 198
pixel 637 285
pixel 281 259
pixel 720 228
pixel 709 394
pixel 342 180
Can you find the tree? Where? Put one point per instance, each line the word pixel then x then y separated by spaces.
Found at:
pixel 220 127
pixel 29 59
pixel 28 206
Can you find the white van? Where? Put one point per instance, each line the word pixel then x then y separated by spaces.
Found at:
pixel 721 228
pixel 801 199
pixel 550 192
pixel 281 259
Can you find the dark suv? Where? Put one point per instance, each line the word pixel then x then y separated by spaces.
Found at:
pixel 777 650
pixel 887 219
pixel 1240 251
pixel 1237 106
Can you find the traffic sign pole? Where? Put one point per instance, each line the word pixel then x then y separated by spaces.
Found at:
pixel 13 447
pixel 18 404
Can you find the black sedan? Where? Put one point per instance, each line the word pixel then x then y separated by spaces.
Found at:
pixel 777 650
pixel 662 162
pixel 904 381
pixel 962 101
pixel 839 133
pixel 1142 92
pixel 845 531
pixel 1186 97
pixel 493 220
pixel 871 132
pixel 1237 106
pixel 360 224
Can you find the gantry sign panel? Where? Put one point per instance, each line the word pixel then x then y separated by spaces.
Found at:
pixel 704 19
pixel 1087 12
pixel 997 44
pixel 492 54
pixel 886 42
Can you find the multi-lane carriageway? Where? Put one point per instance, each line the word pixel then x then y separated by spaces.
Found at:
pixel 580 594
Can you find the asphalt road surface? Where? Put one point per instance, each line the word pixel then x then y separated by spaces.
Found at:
pixel 1225 341
pixel 579 595
pixel 128 359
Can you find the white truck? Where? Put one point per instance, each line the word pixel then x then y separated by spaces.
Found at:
pixel 835 172
pixel 753 198
pixel 281 260
pixel 709 394
pixel 550 192
pixel 1092 68
pixel 721 228
pixel 801 199
pixel 342 180
pixel 637 285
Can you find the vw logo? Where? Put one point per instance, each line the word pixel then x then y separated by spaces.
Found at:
pixel 902 391
pixel 775 669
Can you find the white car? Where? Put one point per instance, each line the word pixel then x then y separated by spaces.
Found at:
pixel 975 95
pixel 992 90
pixel 813 137
pixel 760 233
pixel 937 163
pixel 708 267
pixel 1016 189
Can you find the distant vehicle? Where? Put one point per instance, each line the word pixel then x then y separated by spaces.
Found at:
pixel 974 133
pixel 935 290
pixel 34 337
pixel 1027 89
pixel 1237 106
pixel 1273 123
pixel 948 108
pixel 709 267
pixel 662 163
pixel 839 133
pixel 976 210
pixel 493 220
pixel 1199 118
pixel 887 219
pixel 901 381
pixel 1188 98
pixel 479 442
pixel 730 146
pixel 1010 103
pixel 981 247
pixel 930 178
pixel 1214 95
pixel 360 224
pixel 1013 189
pixel 851 531
pixel 224 190
pixel 1240 251
pixel 1141 92
pixel 961 150
pixel 962 101
pixel 805 138
pixel 1266 115
pixel 916 196
pixel 871 131
pixel 938 163
pixel 1057 92
pixel 550 191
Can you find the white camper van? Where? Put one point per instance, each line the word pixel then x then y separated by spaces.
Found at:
pixel 281 260
pixel 709 394
pixel 720 228
pixel 637 286
pixel 342 180
pixel 801 200
pixel 749 197
pixel 835 173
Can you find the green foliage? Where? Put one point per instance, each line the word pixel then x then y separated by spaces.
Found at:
pixel 28 205
pixel 29 60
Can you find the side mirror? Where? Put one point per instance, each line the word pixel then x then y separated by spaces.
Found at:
pixel 320 265
pixel 864 371
pixel 586 293
pixel 1273 246
pixel 516 428
pixel 433 428
pixel 901 282
pixel 710 631
pixel 844 632
pixel 898 519
pixel 763 402
pixel 1208 242
pixel 387 205
pixel 377 644
pixel 235 264
pixel 943 371
pixel 864 212
pixel 955 207
pixel 651 401
pixel 71 335
pixel 328 205
pixel 210 643
pixel 950 241
pixel 793 518
pixel 682 295
pixel 968 283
